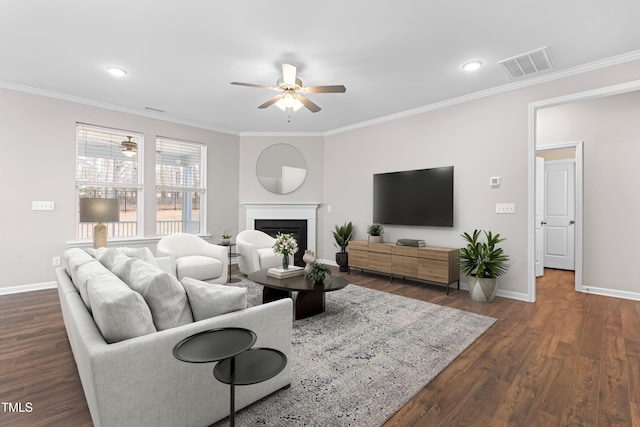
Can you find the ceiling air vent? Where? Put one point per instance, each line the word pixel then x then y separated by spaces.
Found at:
pixel 527 63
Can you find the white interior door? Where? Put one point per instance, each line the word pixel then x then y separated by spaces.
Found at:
pixel 559 214
pixel 539 216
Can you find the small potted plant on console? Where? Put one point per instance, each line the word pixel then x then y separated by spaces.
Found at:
pixel 483 263
pixel 227 231
pixel 342 235
pixel 375 232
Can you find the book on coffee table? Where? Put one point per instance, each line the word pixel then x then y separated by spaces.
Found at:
pixel 281 273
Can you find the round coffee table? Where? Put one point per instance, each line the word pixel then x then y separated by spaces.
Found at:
pixel 310 299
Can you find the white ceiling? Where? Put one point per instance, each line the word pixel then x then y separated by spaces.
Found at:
pixel 393 56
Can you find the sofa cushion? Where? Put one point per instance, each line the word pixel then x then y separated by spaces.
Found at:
pixel 74 258
pixel 107 255
pixel 211 299
pixel 163 293
pixel 119 312
pixel 198 267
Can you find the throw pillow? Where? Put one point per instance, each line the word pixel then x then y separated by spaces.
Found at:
pixel 211 299
pixel 163 293
pixel 119 312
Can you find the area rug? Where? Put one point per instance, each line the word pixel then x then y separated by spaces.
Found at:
pixel 361 360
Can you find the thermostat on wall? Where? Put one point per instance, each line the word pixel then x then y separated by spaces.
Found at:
pixel 495 181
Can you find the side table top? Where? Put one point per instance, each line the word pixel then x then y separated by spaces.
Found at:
pixel 214 345
pixel 251 367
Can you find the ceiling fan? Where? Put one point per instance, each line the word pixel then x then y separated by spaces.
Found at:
pixel 129 148
pixel 293 91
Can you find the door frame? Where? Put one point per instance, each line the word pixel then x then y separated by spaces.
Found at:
pixel 532 115
pixel 578 146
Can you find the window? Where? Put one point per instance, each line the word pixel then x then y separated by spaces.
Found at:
pixel 180 186
pixel 109 165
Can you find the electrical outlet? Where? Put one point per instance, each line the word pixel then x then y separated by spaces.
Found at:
pixel 505 208
pixel 55 261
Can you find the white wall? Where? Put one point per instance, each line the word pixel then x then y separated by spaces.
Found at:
pixel 37 162
pixel 610 130
pixel 482 138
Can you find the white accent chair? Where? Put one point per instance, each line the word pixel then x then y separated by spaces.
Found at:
pixel 193 257
pixel 256 252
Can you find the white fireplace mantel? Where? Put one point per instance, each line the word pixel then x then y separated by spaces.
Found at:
pixel 306 211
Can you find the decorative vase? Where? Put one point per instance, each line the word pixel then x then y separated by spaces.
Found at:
pixel 285 261
pixel 375 239
pixel 310 258
pixel 483 289
pixel 225 242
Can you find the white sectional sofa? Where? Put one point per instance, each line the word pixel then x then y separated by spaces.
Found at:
pixel 132 378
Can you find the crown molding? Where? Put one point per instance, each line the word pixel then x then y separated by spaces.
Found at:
pixel 107 106
pixel 592 66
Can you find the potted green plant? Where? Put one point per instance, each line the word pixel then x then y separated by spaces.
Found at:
pixel 483 263
pixel 342 235
pixel 375 232
pixel 317 272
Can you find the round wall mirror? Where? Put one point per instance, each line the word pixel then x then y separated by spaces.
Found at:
pixel 281 168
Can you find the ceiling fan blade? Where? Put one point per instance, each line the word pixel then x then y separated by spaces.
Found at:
pixel 289 74
pixel 325 89
pixel 254 85
pixel 310 105
pixel 271 101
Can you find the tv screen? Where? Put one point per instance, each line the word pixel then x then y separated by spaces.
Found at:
pixel 417 197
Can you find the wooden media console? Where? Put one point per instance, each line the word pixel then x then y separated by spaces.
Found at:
pixel 428 263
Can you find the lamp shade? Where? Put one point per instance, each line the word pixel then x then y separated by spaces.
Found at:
pixel 99 210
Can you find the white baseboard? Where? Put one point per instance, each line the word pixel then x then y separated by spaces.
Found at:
pixel 635 296
pixel 519 296
pixel 27 288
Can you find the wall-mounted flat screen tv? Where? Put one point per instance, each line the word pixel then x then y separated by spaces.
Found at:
pixel 417 197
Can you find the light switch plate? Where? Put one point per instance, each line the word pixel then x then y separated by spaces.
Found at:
pixel 42 205
pixel 505 208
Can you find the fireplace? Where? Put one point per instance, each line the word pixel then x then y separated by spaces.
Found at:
pixel 285 212
pixel 296 227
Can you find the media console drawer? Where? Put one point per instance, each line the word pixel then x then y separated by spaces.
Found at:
pixel 429 263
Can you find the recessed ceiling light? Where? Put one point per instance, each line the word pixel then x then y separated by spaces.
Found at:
pixel 472 65
pixel 116 72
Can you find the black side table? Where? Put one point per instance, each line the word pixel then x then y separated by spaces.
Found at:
pixel 239 363
pixel 231 255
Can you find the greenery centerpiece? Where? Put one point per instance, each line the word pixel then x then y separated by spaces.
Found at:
pixel 318 272
pixel 483 262
pixel 342 235
pixel 285 245
pixel 375 232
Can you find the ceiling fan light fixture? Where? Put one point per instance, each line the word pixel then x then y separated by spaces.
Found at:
pixel 129 148
pixel 471 66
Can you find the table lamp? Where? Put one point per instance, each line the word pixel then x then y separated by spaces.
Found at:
pixel 99 210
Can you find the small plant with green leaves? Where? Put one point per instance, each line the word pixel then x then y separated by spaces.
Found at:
pixel 342 235
pixel 375 230
pixel 318 272
pixel 483 259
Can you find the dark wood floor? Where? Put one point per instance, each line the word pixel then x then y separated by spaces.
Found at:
pixel 570 359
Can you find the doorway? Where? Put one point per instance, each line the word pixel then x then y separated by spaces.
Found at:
pixel 559 207
pixel 534 108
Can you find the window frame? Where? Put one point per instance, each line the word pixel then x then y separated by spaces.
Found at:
pixel 107 186
pixel 200 187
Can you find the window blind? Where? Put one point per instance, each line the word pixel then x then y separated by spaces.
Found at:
pixel 180 166
pixel 100 160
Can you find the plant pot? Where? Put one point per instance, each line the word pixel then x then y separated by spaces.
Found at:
pixel 225 242
pixel 482 289
pixel 342 259
pixel 375 239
